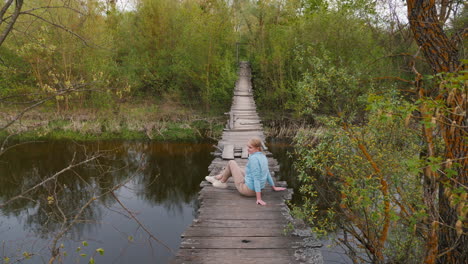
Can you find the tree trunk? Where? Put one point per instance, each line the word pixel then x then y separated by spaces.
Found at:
pixel 442 55
pixel 453 246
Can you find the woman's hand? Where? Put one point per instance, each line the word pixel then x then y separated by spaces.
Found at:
pixel 277 189
pixel 261 202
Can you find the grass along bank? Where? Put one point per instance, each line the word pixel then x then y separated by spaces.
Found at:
pixel 142 121
pixel 282 126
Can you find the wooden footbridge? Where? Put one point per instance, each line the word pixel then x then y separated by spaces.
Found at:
pixel 231 228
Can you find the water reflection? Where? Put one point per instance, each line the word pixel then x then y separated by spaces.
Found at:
pixel 182 174
pixel 161 186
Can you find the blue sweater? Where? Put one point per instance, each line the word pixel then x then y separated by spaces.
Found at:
pixel 257 173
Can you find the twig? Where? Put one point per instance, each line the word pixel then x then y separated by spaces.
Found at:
pixel 50 178
pixel 141 225
pixel 55 250
pixel 58 26
pixel 18 116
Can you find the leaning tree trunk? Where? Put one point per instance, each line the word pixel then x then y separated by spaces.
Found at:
pixel 442 55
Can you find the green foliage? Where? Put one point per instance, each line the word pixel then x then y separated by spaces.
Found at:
pixel 15 75
pixel 350 173
pixel 302 60
pixel 162 47
pixel 179 47
pixel 328 89
pixel 313 6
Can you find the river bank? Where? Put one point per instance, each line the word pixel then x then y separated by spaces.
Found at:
pixel 137 121
pixel 142 121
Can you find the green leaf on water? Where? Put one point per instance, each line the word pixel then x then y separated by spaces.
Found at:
pixel 100 251
pixel 27 255
pixel 85 243
pixel 91 261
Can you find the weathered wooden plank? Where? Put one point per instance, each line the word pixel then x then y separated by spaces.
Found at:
pixel 231 186
pixel 237 202
pixel 250 201
pixel 267 197
pixel 240 242
pixel 247 201
pixel 232 189
pixel 248 207
pixel 245 122
pixel 241 162
pixel 234 260
pixel 228 231
pixel 237 135
pixel 272 223
pixel 276 204
pixel 245 153
pixel 234 195
pixel 243 256
pixel 228 152
pixel 257 216
pixel 244 210
pixel 245 252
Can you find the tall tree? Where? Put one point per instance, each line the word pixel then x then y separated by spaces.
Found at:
pixel 449 243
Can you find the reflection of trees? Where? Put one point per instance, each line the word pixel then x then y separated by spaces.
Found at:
pixel 169 174
pixel 57 199
pixel 173 173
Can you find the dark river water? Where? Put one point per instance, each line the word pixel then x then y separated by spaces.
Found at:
pixel 155 184
pixel 160 182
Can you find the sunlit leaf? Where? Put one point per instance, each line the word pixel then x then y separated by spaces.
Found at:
pixel 100 251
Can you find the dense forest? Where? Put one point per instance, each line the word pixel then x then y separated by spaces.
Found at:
pixel 379 89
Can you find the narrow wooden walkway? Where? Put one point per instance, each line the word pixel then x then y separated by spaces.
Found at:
pixel 231 228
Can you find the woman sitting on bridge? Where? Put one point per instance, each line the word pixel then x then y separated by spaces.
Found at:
pixel 251 181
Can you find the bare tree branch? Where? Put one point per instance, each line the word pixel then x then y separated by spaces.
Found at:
pixel 4 9
pixel 4 149
pixel 141 225
pixel 42 101
pixel 16 13
pixel 58 26
pixel 69 167
pixel 55 7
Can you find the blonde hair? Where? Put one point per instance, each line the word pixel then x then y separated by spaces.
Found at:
pixel 256 142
